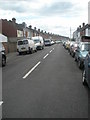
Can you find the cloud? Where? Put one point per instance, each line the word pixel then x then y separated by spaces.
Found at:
pixel 55 16
pixel 20 6
pixel 56 8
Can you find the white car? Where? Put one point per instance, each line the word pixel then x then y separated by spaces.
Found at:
pixel 26 45
pixel 39 42
pixel 2 55
pixel 47 42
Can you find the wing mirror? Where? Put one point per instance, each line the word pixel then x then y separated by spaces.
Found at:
pixel 89 65
pixel 77 50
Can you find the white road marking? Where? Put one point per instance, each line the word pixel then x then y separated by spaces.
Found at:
pixel 45 56
pixel 31 70
pixel 53 48
pixel 1 102
pixel 50 51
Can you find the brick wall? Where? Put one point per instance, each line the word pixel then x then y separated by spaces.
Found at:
pixel 8 29
pixel 11 45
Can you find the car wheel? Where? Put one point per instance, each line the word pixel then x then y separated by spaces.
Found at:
pixel 20 53
pixel 3 61
pixel 84 77
pixel 79 64
pixel 31 51
pixel 72 54
pixel 75 59
pixel 36 50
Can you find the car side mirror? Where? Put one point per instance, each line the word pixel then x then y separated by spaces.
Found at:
pixel 89 65
pixel 77 50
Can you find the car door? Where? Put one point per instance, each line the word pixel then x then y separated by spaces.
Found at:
pixel 88 69
pixel 0 92
pixel 77 53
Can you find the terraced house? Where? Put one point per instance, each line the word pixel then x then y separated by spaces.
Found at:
pixel 83 30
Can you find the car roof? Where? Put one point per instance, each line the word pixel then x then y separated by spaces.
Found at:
pixel 84 43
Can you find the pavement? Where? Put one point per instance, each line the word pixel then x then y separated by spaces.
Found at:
pixel 45 84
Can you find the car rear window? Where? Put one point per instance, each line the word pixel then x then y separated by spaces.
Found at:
pixel 23 42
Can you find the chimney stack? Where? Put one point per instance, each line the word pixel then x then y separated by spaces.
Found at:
pixel 80 26
pixel 83 24
pixel 38 30
pixel 42 31
pixel 13 20
pixel 30 27
pixel 34 28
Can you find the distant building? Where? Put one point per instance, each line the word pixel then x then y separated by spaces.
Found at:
pixel 81 31
pixel 13 29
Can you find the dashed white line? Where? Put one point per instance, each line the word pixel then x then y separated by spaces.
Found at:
pixel 1 102
pixel 50 51
pixel 45 56
pixel 53 48
pixel 31 70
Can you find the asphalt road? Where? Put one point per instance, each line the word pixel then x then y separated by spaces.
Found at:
pixel 46 84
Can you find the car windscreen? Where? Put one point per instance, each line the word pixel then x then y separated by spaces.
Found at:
pixel 85 47
pixel 36 40
pixel 47 41
pixel 23 42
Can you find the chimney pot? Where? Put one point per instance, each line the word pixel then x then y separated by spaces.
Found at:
pixel 30 26
pixel 38 30
pixel 83 24
pixel 13 20
pixel 34 28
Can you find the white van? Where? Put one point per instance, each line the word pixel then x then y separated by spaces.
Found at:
pixel 39 42
pixel 26 45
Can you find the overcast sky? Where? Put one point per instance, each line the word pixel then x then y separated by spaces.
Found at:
pixel 54 16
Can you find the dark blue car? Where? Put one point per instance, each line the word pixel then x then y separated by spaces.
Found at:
pixel 86 71
pixel 81 52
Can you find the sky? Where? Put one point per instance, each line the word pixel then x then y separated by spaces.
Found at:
pixel 54 16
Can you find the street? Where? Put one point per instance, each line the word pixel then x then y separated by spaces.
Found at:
pixel 45 84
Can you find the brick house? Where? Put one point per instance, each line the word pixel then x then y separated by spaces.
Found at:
pixel 81 31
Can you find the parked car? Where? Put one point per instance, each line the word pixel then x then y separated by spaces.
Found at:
pixel 67 45
pixel 70 46
pixel 58 41
pixel 73 49
pixel 47 42
pixel 26 46
pixel 2 55
pixel 52 42
pixel 64 42
pixel 39 42
pixel 86 71
pixel 81 53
